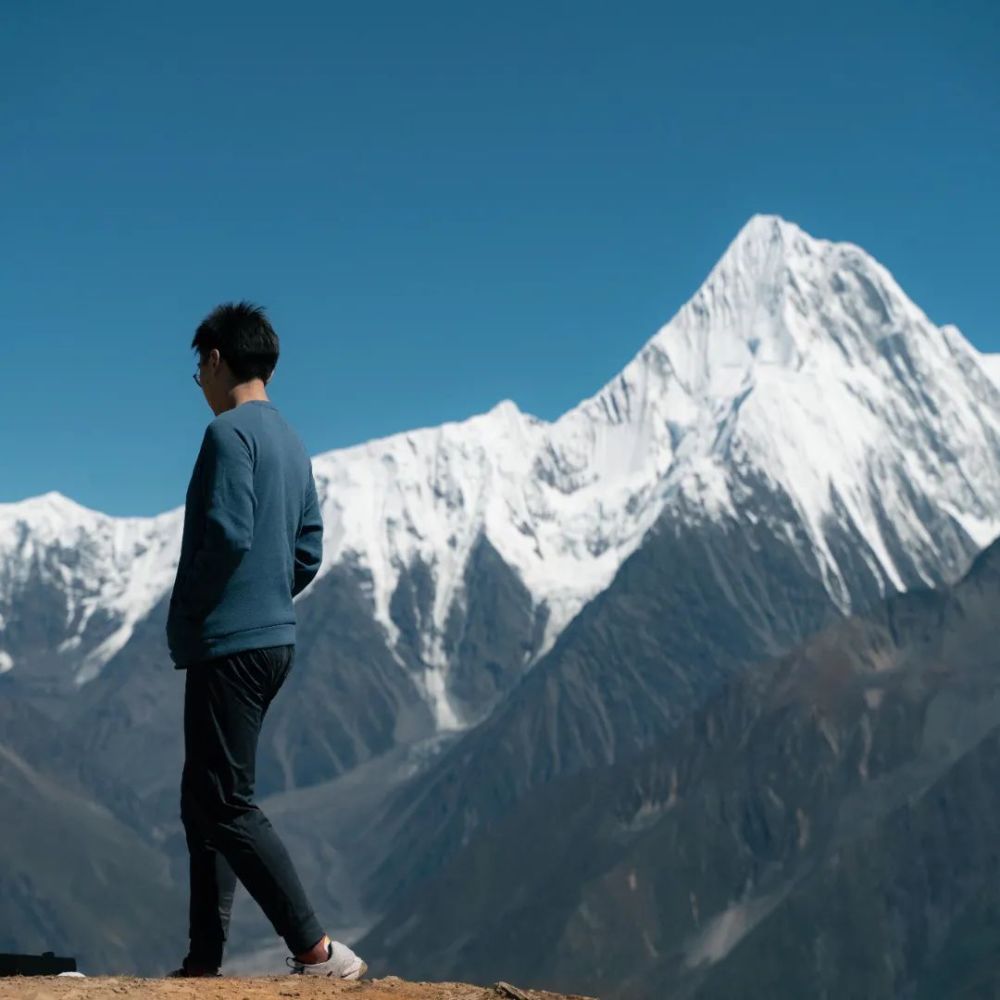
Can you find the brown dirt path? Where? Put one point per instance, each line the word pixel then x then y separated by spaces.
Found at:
pixel 258 988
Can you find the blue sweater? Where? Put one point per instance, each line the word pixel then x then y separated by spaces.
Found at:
pixel 253 537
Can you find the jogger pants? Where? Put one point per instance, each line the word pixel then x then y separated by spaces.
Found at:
pixel 228 837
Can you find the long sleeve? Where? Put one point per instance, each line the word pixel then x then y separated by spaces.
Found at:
pixel 309 543
pixel 230 504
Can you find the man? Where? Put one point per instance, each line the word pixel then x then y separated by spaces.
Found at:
pixel 252 540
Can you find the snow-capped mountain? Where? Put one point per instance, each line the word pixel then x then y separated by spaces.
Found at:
pixel 799 360
pixel 74 581
pixel 798 356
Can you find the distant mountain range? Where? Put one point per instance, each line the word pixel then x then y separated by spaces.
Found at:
pixel 510 607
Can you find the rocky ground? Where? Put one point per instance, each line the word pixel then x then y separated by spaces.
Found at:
pixel 258 988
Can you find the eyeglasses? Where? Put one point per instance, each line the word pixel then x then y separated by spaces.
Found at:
pixel 197 375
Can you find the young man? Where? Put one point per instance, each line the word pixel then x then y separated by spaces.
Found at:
pixel 252 540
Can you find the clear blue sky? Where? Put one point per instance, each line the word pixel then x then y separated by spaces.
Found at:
pixel 443 204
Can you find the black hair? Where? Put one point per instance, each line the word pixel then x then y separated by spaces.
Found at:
pixel 243 336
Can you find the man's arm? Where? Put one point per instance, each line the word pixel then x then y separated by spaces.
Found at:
pixel 230 504
pixel 309 543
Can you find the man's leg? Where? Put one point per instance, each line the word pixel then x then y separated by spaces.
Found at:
pixel 212 886
pixel 224 704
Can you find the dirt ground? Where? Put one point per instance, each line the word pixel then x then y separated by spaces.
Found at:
pixel 258 988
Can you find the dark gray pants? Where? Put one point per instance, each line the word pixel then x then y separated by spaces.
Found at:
pixel 228 837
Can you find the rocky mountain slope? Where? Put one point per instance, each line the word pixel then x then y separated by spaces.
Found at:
pixel 75 875
pixel 823 826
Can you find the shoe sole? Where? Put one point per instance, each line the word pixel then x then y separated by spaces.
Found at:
pixel 352 976
pixel 360 973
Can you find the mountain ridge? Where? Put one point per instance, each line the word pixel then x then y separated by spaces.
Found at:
pixel 565 502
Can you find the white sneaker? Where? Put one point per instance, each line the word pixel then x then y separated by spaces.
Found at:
pixel 341 964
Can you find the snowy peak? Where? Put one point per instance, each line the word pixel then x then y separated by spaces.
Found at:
pixel 109 572
pixel 52 504
pixel 765 245
pixel 777 300
pixel 799 361
pixel 780 297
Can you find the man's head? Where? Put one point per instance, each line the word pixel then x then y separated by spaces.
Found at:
pixel 237 353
